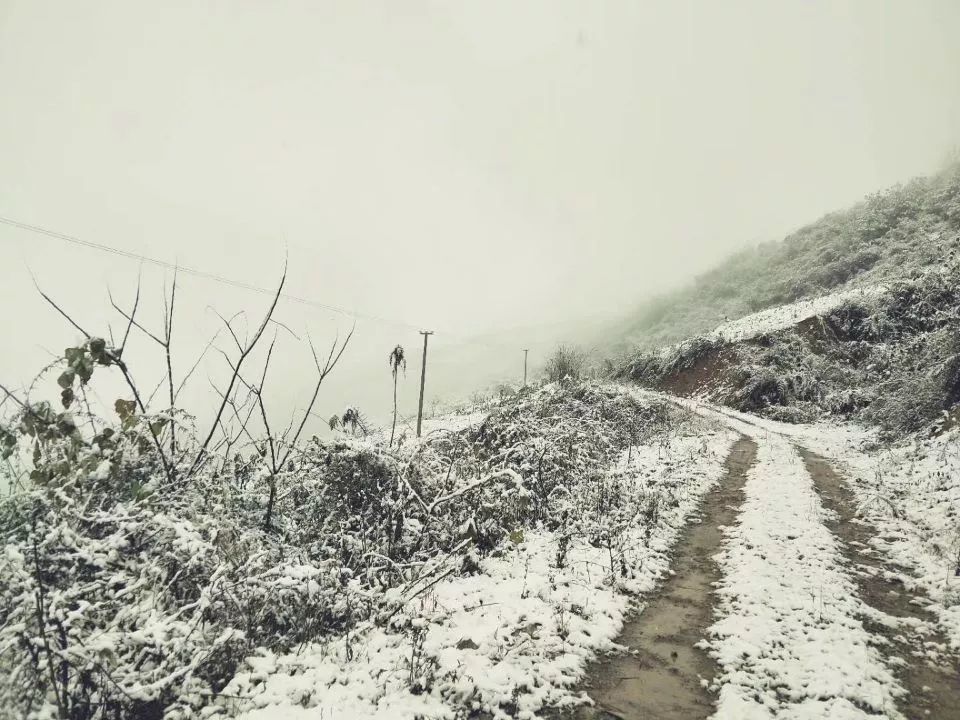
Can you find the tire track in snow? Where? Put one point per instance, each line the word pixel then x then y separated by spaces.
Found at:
pixel 914 648
pixel 929 675
pixel 789 639
pixel 662 679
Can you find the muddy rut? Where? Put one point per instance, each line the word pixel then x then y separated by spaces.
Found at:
pixel 930 676
pixel 661 679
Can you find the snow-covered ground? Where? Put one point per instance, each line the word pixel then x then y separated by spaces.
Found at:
pixel 789 640
pixel 512 632
pixel 789 637
pixel 909 493
pixel 509 640
pixel 784 316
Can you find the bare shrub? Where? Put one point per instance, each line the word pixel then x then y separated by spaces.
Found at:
pixel 568 363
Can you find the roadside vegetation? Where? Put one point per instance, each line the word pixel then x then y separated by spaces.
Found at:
pixel 146 559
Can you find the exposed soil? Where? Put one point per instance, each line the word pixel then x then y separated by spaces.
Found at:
pixel 817 334
pixel 708 373
pixel 714 372
pixel 930 677
pixel 661 678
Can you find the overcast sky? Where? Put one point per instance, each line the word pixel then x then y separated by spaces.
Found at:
pixel 463 165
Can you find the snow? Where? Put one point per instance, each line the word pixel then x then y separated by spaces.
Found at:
pixel 509 640
pixel 789 639
pixel 513 632
pixel 102 471
pixel 909 493
pixel 784 316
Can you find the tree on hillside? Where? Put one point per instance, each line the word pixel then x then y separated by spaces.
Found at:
pixel 396 360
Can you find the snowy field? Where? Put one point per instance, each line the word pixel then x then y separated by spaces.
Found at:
pixel 527 536
pixel 789 636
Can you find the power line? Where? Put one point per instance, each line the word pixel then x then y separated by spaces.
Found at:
pixel 228 281
pixel 202 274
pixel 355 315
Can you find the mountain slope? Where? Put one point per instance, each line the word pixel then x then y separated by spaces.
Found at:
pixel 881 347
pixel 890 234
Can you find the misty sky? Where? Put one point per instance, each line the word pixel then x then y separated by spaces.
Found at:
pixel 464 165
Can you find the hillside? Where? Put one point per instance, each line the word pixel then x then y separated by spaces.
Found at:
pixel 853 317
pixel 894 234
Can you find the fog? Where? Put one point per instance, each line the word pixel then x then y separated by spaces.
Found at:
pixel 520 172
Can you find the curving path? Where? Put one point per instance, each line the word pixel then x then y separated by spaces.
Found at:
pixel 777 609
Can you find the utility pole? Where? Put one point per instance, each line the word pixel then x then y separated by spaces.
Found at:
pixel 423 377
pixel 525 351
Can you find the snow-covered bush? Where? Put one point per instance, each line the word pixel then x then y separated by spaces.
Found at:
pixel 688 353
pixel 127 595
pixel 135 581
pixel 920 392
pixel 104 591
pixel 856 320
pixel 566 364
pixel 651 368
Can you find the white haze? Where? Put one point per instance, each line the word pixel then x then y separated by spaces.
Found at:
pixel 472 167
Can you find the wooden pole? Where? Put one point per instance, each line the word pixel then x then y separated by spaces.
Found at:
pixel 525 351
pixel 423 378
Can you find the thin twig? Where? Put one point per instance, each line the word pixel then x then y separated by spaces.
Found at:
pixel 328 367
pixel 233 378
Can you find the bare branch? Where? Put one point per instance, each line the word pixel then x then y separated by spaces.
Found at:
pixel 13 397
pixel 328 367
pixel 156 389
pixel 233 378
pixel 39 376
pixel 266 364
pixel 60 310
pixel 131 321
pixel 195 365
pixel 258 391
pixel 286 431
pixel 231 402
pixel 225 356
pixel 292 333
pixel 168 324
pixel 136 303
pixel 226 322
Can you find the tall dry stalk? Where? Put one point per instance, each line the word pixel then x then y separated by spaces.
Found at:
pixel 396 360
